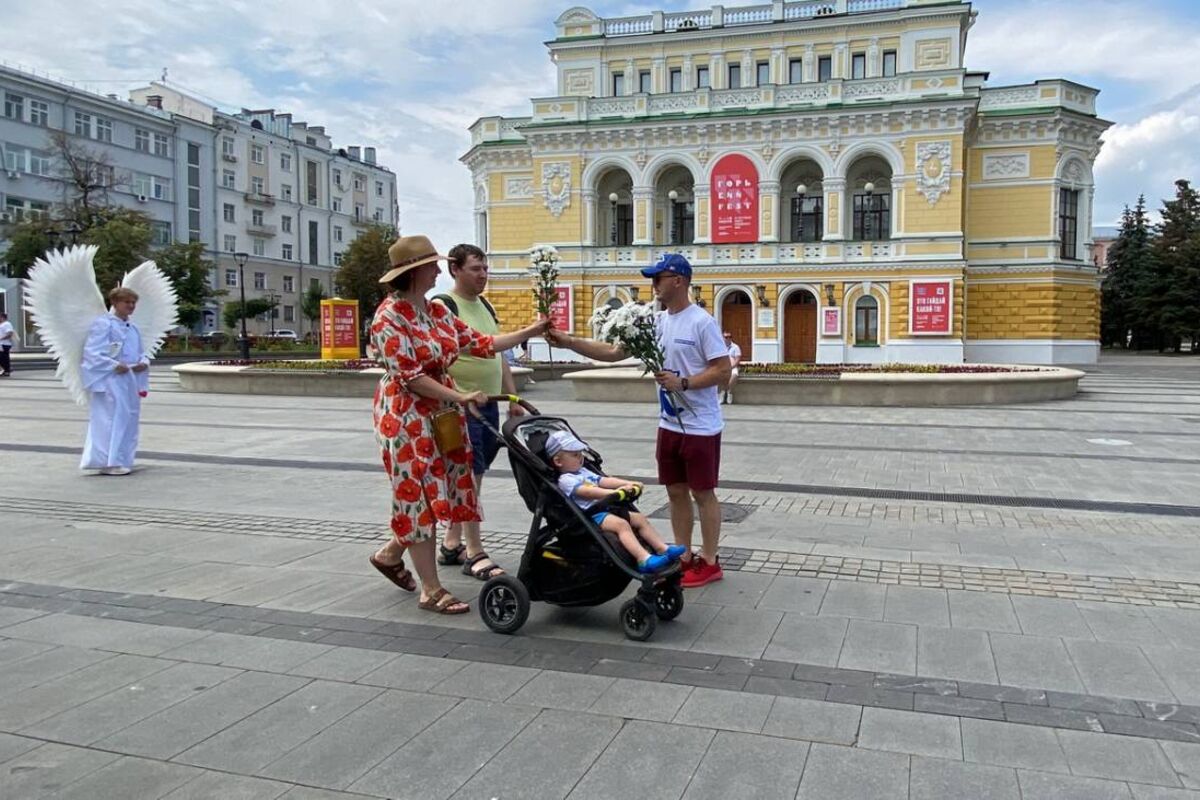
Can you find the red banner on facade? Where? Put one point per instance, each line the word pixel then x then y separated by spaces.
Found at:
pixel 734 194
pixel 931 304
pixel 831 321
pixel 562 310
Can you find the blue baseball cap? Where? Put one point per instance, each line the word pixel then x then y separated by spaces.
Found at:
pixel 564 440
pixel 670 262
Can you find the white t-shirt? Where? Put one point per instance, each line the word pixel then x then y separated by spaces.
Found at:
pixel 690 339
pixel 735 354
pixel 568 482
pixel 7 334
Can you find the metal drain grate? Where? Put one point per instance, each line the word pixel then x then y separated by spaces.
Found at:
pixel 731 513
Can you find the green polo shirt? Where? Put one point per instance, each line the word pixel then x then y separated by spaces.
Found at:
pixel 473 374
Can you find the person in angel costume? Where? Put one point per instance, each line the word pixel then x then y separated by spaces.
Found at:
pixel 103 356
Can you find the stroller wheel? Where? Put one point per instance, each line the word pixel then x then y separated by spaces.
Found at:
pixel 637 621
pixel 668 601
pixel 504 604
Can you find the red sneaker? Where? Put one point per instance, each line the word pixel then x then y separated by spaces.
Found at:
pixel 699 572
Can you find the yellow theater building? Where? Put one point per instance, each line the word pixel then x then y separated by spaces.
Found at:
pixel 846 190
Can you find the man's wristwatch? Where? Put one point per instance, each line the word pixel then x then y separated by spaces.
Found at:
pixel 684 383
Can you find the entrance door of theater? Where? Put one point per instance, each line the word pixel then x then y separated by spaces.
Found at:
pixel 736 320
pixel 800 328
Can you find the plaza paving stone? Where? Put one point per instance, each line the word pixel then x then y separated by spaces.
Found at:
pixel 977 602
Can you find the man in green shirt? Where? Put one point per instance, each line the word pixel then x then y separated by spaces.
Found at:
pixel 469 268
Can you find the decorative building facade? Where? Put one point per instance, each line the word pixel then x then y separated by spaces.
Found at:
pixel 845 188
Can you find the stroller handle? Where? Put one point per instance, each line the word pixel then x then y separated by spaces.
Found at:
pixel 473 409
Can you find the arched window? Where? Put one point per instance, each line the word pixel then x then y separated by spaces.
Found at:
pixel 866 320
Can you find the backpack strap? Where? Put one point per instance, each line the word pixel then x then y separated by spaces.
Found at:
pixel 448 302
pixel 491 310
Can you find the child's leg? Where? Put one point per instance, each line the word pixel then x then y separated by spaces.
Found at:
pixel 646 532
pixel 614 524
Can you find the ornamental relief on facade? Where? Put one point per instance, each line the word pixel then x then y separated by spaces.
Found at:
pixel 556 186
pixel 1005 165
pixel 933 170
pixel 579 81
pixel 933 53
pixel 518 188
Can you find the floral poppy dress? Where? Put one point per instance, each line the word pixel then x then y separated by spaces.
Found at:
pixel 427 486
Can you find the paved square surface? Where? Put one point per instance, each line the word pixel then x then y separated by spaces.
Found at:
pixel 985 602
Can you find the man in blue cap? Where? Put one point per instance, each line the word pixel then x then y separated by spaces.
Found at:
pixel 689 438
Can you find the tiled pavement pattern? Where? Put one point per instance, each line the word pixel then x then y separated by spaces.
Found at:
pixel 1033 583
pixel 1068 710
pixel 300 674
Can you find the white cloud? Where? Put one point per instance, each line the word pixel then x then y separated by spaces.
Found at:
pixel 1147 156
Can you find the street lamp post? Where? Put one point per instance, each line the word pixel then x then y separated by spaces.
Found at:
pixel 673 196
pixel 273 298
pixel 243 341
pixel 613 197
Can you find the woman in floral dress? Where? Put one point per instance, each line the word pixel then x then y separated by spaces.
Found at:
pixel 418 341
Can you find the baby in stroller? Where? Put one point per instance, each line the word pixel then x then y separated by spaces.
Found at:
pixel 586 488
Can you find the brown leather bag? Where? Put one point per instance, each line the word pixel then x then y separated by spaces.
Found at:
pixel 448 430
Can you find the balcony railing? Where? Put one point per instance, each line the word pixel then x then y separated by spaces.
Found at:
pixel 260 198
pixel 728 17
pixel 260 229
pixel 840 92
pixel 758 253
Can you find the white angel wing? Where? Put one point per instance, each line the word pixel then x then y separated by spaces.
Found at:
pixel 62 298
pixel 157 309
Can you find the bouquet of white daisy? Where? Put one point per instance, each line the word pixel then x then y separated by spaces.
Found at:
pixel 632 328
pixel 544 259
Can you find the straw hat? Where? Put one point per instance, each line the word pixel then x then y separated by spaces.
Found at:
pixel 409 252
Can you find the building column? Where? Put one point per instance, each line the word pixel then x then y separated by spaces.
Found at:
pixel 874 66
pixel 779 66
pixel 631 78
pixel 716 71
pixel 589 217
pixel 643 216
pixel 605 88
pixel 659 78
pixel 703 214
pixel 835 208
pixel 841 67
pixel 689 77
pixel 809 67
pixel 769 204
pixel 748 76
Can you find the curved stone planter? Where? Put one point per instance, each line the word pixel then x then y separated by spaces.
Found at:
pixel 852 389
pixel 553 372
pixel 209 377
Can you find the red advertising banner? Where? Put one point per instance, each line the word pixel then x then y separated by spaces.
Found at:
pixel 339 328
pixel 734 193
pixel 562 310
pixel 931 304
pixel 831 321
pixel 345 326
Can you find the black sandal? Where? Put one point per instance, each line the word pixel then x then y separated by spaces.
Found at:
pixel 450 556
pixel 483 573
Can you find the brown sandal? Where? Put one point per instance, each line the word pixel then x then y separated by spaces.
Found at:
pixel 442 602
pixel 396 573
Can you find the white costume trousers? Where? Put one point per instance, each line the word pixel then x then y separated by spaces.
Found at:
pixel 112 435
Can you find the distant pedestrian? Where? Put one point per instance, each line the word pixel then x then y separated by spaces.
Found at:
pixel 735 358
pixel 8 338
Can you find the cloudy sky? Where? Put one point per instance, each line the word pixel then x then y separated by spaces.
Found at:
pixel 409 76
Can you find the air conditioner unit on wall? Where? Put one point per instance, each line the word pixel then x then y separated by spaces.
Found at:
pixel 141 198
pixel 13 174
pixel 5 218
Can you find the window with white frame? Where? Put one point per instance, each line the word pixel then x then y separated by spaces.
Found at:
pixel 141 140
pixel 162 145
pixel 889 63
pixel 360 183
pixel 337 259
pixel 289 313
pixel 289 283
pixel 160 232
pixel 377 215
pixel 39 113
pixel 256 217
pixel 285 162
pixel 285 224
pixel 260 279
pixel 228 179
pixel 141 184
pixel 858 66
pixel 796 70
pixel 230 247
pixel 285 192
pixel 337 178
pixel 229 212
pixel 286 254
pixel 161 188
pixel 14 106
pixel 259 247
pixel 83 124
pixel 337 204
pixel 226 146
pixel 337 233
pixel 360 212
pixel 1068 224
pixel 866 321
pixel 231 276
pixel 27 160
pixel 702 79
pixel 258 154
pixel 20 209
pixel 379 188
pixel 762 72
pixel 104 129
pixel 256 185
pixel 39 163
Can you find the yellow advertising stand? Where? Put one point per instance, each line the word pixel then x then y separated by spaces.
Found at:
pixel 339 329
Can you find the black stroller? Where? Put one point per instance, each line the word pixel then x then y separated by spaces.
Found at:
pixel 568 559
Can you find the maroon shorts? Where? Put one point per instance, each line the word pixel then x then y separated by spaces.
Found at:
pixel 687 458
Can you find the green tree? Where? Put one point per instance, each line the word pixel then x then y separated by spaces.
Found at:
pixel 1130 259
pixel 232 313
pixel 310 303
pixel 187 268
pixel 1177 249
pixel 362 266
pixel 28 240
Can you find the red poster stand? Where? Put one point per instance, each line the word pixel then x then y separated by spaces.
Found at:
pixel 734 192
pixel 930 308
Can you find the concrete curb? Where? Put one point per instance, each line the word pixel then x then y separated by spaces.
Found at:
pixel 212 378
pixel 628 385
